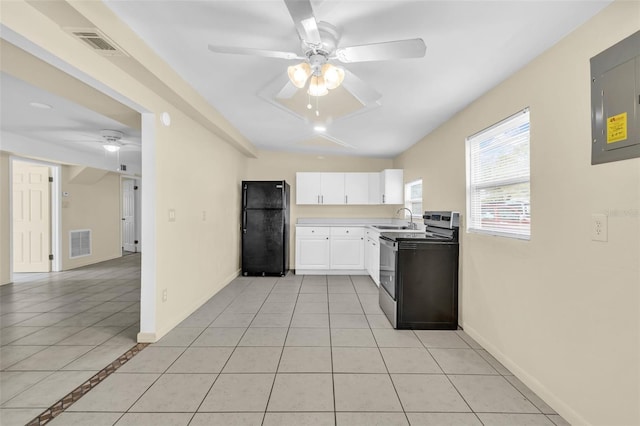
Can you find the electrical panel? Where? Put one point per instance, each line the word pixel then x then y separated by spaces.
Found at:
pixel 615 102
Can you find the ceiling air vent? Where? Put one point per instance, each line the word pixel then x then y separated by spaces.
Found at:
pixel 99 42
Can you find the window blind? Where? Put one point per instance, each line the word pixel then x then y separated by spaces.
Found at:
pixel 498 179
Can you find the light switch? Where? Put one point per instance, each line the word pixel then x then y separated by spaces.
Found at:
pixel 172 215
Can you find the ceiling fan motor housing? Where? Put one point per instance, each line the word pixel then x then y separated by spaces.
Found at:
pixel 111 136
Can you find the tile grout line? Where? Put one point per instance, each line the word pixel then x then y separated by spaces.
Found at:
pixel 60 406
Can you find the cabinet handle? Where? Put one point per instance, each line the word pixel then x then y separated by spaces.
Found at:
pixel 322 198
pixel 347 232
pixel 346 199
pixel 318 199
pixel 382 198
pixel 327 238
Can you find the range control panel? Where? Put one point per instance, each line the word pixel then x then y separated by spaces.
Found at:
pixel 442 219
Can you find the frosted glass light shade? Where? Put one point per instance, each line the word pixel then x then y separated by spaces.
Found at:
pixel 298 74
pixel 111 148
pixel 333 76
pixel 317 87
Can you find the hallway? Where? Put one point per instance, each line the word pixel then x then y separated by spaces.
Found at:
pixel 59 329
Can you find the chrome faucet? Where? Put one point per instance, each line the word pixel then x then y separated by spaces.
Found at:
pixel 411 224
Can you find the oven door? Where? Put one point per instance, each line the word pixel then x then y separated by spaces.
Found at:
pixel 388 261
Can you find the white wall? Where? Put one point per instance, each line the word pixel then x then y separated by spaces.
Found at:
pixel 561 311
pixel 95 205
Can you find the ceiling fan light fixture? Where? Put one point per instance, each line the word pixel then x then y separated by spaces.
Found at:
pixel 111 147
pixel 317 86
pixel 333 76
pixel 299 74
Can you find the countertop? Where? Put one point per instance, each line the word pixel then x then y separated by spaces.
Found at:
pixel 368 223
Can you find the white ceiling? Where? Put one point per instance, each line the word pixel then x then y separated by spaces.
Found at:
pixel 471 47
pixel 66 125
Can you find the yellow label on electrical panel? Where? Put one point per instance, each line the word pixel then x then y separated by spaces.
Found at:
pixel 617 128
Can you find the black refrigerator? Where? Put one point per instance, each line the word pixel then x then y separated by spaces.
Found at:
pixel 265 228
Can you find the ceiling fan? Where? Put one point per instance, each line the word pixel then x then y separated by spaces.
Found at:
pixel 112 141
pixel 319 40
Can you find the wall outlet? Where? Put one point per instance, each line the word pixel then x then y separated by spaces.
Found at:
pixel 599 227
pixel 164 295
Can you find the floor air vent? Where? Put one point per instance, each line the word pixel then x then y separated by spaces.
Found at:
pixel 79 243
pixel 99 42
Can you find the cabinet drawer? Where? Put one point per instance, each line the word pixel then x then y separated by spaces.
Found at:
pixel 312 230
pixel 374 235
pixel 347 231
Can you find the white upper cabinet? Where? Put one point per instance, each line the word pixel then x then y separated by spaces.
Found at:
pixel 392 186
pixel 308 190
pixel 356 188
pixel 332 185
pixel 316 188
pixel 375 194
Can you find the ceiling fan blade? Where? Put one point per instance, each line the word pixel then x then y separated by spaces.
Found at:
pixel 359 89
pixel 304 20
pixel 413 48
pixel 254 52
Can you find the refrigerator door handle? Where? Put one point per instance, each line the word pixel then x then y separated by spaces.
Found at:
pixel 244 197
pixel 244 221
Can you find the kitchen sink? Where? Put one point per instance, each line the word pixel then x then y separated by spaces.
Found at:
pixel 390 227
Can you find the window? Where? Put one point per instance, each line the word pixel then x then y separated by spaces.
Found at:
pixel 413 198
pixel 498 192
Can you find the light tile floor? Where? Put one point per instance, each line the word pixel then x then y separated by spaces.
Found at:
pixel 59 329
pixel 312 350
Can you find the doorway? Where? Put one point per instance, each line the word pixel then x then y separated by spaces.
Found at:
pixel 34 216
pixel 130 224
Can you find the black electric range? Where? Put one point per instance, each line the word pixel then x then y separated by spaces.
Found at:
pixel 419 274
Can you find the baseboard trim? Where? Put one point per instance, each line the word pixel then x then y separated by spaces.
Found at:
pixel 541 390
pixel 330 272
pixel 179 318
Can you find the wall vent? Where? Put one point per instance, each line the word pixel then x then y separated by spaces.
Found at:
pixel 99 42
pixel 79 243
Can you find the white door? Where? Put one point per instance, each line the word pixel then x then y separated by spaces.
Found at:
pixel 308 188
pixel 31 218
pixel 312 253
pixel 332 188
pixel 128 215
pixel 356 188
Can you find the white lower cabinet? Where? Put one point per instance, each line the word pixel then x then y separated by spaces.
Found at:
pixel 312 248
pixel 326 249
pixel 372 248
pixel 347 248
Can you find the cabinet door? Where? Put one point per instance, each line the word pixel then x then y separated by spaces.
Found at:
pixel 356 188
pixel 375 261
pixel 312 253
pixel 347 253
pixel 308 189
pixel 367 255
pixel 375 193
pixel 332 185
pixel 392 186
